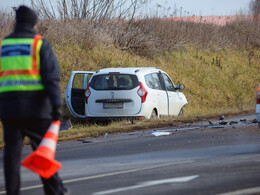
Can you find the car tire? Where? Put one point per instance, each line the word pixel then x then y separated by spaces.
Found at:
pixel 154 115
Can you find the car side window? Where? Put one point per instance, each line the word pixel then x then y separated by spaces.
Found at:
pixel 153 81
pixel 149 81
pixel 78 81
pixel 168 83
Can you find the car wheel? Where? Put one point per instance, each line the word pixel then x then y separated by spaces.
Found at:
pixel 154 115
pixel 181 112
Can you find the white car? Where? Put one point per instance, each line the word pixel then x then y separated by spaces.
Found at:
pixel 114 93
pixel 258 105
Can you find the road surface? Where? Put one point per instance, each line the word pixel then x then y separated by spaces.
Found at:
pixel 196 159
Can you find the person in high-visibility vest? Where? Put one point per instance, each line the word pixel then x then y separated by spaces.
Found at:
pixel 30 96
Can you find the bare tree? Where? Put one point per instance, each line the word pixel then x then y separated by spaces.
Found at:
pixel 255 9
pixel 92 10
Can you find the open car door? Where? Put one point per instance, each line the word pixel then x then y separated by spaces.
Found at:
pixel 75 92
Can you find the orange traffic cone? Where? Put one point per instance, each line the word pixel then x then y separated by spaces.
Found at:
pixel 41 161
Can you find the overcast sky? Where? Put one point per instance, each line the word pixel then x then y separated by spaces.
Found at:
pixel 167 7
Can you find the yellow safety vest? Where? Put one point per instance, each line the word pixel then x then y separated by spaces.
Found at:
pixel 20 64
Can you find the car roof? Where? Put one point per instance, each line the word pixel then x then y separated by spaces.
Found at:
pixel 131 70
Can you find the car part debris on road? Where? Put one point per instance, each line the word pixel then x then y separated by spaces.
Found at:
pixel 161 133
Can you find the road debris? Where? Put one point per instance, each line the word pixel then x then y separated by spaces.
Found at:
pixel 161 133
pixel 223 123
pixel 86 141
pixel 221 117
pixel 232 122
pixel 65 125
pixel 216 127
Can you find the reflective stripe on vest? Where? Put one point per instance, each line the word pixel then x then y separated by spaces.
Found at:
pixel 20 64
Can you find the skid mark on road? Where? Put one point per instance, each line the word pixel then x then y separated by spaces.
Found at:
pixel 110 174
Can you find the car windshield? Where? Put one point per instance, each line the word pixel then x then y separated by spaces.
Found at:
pixel 114 81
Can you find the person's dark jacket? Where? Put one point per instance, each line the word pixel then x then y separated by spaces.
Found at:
pixel 45 104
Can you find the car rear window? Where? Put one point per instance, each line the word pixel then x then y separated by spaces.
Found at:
pixel 114 81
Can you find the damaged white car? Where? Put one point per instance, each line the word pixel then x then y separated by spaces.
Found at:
pixel 116 93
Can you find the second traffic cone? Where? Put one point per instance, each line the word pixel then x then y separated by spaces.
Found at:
pixel 41 161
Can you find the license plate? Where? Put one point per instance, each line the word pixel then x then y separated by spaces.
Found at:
pixel 113 105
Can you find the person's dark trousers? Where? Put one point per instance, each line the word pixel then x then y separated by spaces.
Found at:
pixel 14 132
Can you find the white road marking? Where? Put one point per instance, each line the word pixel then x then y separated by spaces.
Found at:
pixel 108 174
pixel 148 183
pixel 126 171
pixel 246 191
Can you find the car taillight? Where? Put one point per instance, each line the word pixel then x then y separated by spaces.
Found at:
pixel 87 94
pixel 142 92
pixel 258 95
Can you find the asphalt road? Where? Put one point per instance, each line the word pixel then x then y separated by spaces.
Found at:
pixel 196 159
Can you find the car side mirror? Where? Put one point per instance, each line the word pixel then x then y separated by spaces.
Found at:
pixel 179 87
